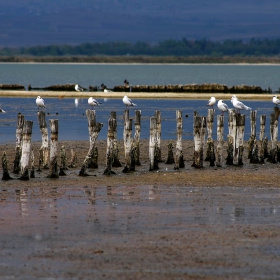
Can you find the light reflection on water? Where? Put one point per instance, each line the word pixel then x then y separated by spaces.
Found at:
pixel 73 123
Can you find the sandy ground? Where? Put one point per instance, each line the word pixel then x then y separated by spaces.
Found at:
pixel 211 223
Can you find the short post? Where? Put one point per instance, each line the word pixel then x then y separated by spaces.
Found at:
pixel 220 139
pixel 253 122
pixel 170 157
pixel 93 128
pixel 32 172
pixel 179 159
pixel 44 149
pixel 6 176
pixel 152 144
pixel 53 149
pixel 25 150
pixel 158 134
pixel 112 123
pixel 73 160
pixel 19 128
pixel 137 136
pixel 127 137
pixel 63 159
pixel 116 161
pixel 199 126
pixel 262 131
pixel 273 156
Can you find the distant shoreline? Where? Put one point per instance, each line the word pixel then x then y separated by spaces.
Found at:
pixel 143 59
pixel 140 95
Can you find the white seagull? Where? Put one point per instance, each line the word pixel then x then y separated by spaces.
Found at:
pixel 275 100
pixel 238 104
pixel 78 88
pixel 211 102
pixel 128 102
pixel 107 90
pixel 93 102
pixel 1 110
pixel 222 106
pixel 40 102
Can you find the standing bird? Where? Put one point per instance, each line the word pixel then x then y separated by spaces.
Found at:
pixel 107 90
pixel 128 102
pixel 78 88
pixel 93 102
pixel 40 102
pixel 1 110
pixel 238 104
pixel 211 102
pixel 275 100
pixel 222 106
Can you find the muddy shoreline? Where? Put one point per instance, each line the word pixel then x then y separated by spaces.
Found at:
pixel 210 223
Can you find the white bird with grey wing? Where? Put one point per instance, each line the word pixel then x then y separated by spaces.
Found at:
pixel 128 102
pixel 222 106
pixel 93 102
pixel 238 104
pixel 78 88
pixel 40 102
pixel 211 102
pixel 275 100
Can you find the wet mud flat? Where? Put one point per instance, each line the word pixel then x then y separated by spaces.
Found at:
pixel 213 223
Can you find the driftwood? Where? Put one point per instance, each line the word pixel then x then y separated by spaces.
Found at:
pixel 179 160
pixel 220 139
pixel 199 125
pixel 94 129
pixel 19 128
pixel 26 149
pixel 44 149
pixel 137 136
pixel 6 176
pixel 53 149
pixel 153 145
pixel 127 138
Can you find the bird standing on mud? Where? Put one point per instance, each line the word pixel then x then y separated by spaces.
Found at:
pixel 222 106
pixel 238 104
pixel 275 100
pixel 40 102
pixel 93 102
pixel 128 102
pixel 211 102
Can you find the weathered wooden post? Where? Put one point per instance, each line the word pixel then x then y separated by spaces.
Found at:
pixel 44 150
pixel 262 131
pixel 273 156
pixel 25 150
pixel 152 144
pixel 179 159
pixel 170 157
pixel 127 137
pixel 231 136
pixel 93 129
pixel 32 172
pixel 239 127
pixel 6 176
pixel 53 149
pixel 210 152
pixel 112 123
pixel 116 161
pixel 73 160
pixel 220 139
pixel 158 134
pixel 199 125
pixel 253 122
pixel 19 128
pixel 63 159
pixel 137 136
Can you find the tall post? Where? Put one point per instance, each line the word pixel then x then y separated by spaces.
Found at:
pixel 220 139
pixel 19 129
pixel 53 149
pixel 44 150
pixel 127 137
pixel 199 126
pixel 262 131
pixel 152 144
pixel 137 136
pixel 93 128
pixel 158 134
pixel 239 143
pixel 6 176
pixel 273 156
pixel 210 153
pixel 231 136
pixel 253 122
pixel 116 161
pixel 179 160
pixel 26 149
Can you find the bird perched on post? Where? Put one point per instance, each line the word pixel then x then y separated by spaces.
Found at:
pixel 128 102
pixel 1 110
pixel 211 102
pixel 93 102
pixel 222 106
pixel 40 102
pixel 275 100
pixel 238 104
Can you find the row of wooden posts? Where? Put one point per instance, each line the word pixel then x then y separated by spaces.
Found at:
pixel 48 159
